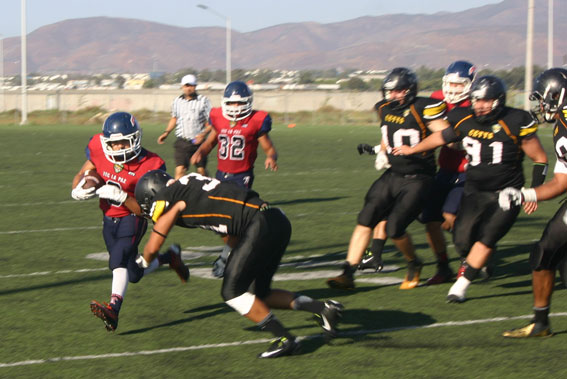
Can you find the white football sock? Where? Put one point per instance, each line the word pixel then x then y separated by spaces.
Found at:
pixel 119 281
pixel 459 288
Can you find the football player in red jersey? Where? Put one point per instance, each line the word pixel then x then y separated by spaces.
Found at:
pixel 119 158
pixel 238 130
pixel 550 91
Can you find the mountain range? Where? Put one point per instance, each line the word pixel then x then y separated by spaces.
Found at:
pixel 491 36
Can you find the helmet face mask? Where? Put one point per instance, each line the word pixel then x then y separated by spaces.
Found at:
pixel 549 94
pixel 400 79
pixel 121 127
pixel 147 188
pixel 488 88
pixel 457 81
pixel 236 101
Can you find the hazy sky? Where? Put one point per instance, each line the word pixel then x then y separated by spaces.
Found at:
pixel 246 15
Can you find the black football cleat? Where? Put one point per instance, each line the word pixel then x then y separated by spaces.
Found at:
pixel 329 317
pixel 177 264
pixel 106 313
pixel 280 347
pixel 529 331
pixel 369 260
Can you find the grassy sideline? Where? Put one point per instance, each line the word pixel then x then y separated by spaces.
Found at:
pixel 320 185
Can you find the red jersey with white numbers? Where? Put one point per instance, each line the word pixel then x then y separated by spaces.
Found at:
pixel 452 160
pixel 238 140
pixel 124 175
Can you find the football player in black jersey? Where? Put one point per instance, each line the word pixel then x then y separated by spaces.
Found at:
pixel 399 194
pixel 550 91
pixel 495 137
pixel 260 234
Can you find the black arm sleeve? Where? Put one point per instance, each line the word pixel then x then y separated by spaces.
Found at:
pixel 539 171
pixel 450 135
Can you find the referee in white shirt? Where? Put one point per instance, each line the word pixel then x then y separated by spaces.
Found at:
pixel 190 119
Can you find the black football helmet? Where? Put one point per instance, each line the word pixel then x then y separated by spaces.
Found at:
pixel 549 92
pixel 237 92
pixel 148 186
pixel 400 78
pixel 488 88
pixel 121 126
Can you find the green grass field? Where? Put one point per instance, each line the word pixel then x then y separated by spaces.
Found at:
pixel 170 329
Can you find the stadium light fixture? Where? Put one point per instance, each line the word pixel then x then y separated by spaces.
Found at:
pixel 228 38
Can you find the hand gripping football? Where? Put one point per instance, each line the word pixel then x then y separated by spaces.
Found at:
pixel 92 179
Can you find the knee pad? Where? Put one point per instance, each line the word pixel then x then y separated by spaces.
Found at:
pixel 242 303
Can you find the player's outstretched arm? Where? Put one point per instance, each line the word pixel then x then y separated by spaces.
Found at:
pixel 434 140
pixel 270 150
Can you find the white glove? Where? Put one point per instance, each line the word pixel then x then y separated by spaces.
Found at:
pixel 113 193
pixel 79 193
pixel 509 196
pixel 142 262
pixel 381 160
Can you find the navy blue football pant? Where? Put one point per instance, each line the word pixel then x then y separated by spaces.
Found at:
pixel 122 235
pixel 243 179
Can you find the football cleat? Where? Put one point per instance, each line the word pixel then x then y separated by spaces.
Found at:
pixel 106 313
pixel 177 264
pixel 280 347
pixel 329 317
pixel 531 330
pixel 486 272
pixel 454 298
pixel 412 277
pixel 342 282
pixel 369 260
pixel 443 275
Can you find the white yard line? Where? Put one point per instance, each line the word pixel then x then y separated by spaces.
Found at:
pixel 263 340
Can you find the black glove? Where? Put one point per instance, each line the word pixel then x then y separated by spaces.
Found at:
pixel 365 148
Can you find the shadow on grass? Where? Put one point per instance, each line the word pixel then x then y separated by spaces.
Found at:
pixel 104 276
pixel 215 309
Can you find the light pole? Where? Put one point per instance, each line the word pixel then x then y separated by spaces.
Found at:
pixel 228 63
pixel 529 56
pixel 549 33
pixel 24 66
pixel 1 73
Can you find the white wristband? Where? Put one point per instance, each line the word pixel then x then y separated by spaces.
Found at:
pixel 529 195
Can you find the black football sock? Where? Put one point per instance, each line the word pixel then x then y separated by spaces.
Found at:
pixel 305 303
pixel 348 270
pixel 471 273
pixel 377 247
pixel 541 315
pixel 442 258
pixel 274 326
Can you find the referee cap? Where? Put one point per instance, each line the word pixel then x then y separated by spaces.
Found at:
pixel 189 79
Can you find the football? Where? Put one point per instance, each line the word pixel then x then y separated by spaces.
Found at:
pixel 92 179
